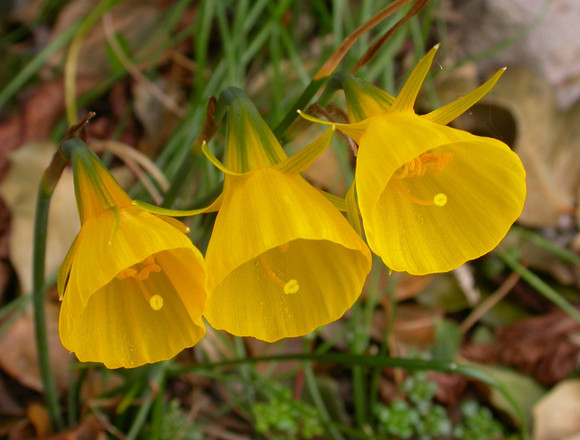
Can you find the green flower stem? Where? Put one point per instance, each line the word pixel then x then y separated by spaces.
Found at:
pixel 319 402
pixel 536 282
pixel 300 104
pixel 156 378
pixel 46 188
pixel 377 362
pixel 73 139
pixel 548 245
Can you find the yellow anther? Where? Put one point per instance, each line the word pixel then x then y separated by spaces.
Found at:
pixel 129 272
pixel 418 167
pixel 443 160
pixel 156 302
pixel 291 287
pixel 440 199
pixel 144 274
pixel 149 260
pixel 404 172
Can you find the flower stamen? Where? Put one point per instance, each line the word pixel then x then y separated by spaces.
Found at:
pixel 155 301
pixel 289 287
pixel 128 272
pixel 417 167
pixel 439 199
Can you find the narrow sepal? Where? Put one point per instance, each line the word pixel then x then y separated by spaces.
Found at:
pixel 338 202
pixel 306 157
pixel 364 100
pixel 352 209
pixel 215 206
pixel 355 131
pixel 406 98
pixel 451 111
pixel 65 267
pixel 214 160
pixel 177 224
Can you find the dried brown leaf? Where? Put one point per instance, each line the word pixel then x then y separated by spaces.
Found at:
pixel 18 355
pixel 36 119
pixel 133 19
pixel 546 141
pixel 19 190
pixel 541 346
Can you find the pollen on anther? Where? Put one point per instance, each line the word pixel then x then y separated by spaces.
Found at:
pixel 156 302
pixel 291 287
pixel 440 199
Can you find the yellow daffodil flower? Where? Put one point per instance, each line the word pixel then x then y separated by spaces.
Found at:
pixel 282 260
pixel 431 197
pixel 133 287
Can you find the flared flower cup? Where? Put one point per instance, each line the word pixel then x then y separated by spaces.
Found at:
pixel 431 197
pixel 133 286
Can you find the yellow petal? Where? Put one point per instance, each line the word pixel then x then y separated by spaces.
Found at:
pixel 449 112
pixel 119 326
pixel 337 202
pixel 306 157
pixel 355 131
pixel 406 98
pixel 364 100
pixel 352 209
pixel 139 235
pixel 281 260
pixel 484 185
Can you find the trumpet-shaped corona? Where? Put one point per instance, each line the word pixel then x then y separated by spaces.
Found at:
pixel 431 197
pixel 126 300
pixel 282 260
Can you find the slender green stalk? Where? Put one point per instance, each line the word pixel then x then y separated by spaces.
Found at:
pixel 548 245
pixel 156 379
pixel 300 104
pixel 46 188
pixel 35 64
pixel 536 282
pixel 319 402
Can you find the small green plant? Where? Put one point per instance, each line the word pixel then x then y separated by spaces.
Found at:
pixel 283 417
pixel 478 423
pixel 420 418
pixel 175 424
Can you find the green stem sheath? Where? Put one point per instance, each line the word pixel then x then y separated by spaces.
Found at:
pixel 46 188
pixel 536 282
